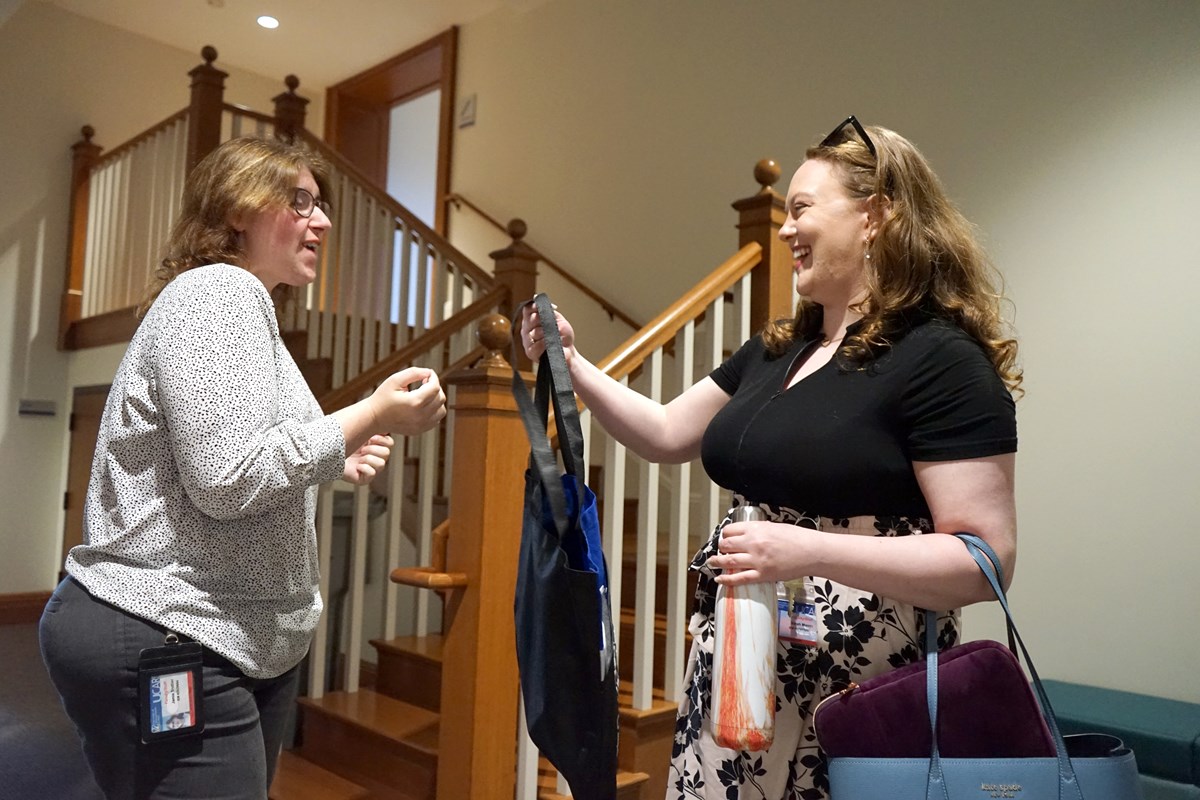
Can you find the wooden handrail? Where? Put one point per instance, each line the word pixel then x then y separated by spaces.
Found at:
pixel 246 111
pixel 481 277
pixel 353 389
pixel 141 137
pixel 434 576
pixel 630 355
pixel 609 307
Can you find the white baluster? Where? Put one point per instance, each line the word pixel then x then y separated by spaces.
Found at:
pixel 647 558
pixel 320 644
pixel 360 543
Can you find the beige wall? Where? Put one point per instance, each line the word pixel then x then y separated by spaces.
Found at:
pixel 622 130
pixel 58 72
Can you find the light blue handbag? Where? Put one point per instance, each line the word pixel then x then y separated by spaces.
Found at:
pixel 1086 766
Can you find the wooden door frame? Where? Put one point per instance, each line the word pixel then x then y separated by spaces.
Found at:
pixel 79 463
pixel 428 66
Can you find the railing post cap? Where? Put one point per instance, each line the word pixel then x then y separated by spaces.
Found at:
pixel 209 54
pixel 517 228
pixel 87 131
pixel 494 333
pixel 767 173
pixel 292 83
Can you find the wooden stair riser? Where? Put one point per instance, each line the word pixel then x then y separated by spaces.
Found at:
pixel 416 678
pixel 625 652
pixel 391 769
pixel 630 785
pixel 629 574
pixel 413 677
pixel 645 744
pixel 298 778
pixel 408 665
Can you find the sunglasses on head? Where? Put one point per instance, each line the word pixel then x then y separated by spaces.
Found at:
pixel 836 136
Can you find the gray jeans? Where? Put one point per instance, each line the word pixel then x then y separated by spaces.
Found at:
pixel 91 651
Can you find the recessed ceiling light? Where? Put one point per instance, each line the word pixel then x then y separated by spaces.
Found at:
pixel 268 22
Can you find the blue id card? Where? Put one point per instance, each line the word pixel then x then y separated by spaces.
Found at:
pixel 170 691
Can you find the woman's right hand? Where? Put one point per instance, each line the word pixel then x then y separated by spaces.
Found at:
pixel 409 411
pixel 532 341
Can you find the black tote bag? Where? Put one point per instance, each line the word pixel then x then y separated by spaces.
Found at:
pixel 565 648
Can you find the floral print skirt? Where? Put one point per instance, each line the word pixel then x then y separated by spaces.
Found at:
pixel 859 635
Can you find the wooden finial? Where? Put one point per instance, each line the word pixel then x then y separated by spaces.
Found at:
pixel 209 54
pixel 516 229
pixel 88 132
pixel 292 83
pixel 767 173
pixel 494 333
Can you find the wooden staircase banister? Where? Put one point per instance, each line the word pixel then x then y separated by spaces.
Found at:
pixel 482 278
pixel 429 578
pixel 246 111
pixel 628 358
pixel 355 388
pixel 435 575
pixel 625 359
pixel 609 307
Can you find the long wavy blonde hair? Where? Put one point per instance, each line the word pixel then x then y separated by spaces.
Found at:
pixel 240 177
pixel 925 259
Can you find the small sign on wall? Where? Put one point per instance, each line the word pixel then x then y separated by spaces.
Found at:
pixel 466 112
pixel 37 408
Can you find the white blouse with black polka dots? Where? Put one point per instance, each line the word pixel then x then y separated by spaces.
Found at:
pixel 200 509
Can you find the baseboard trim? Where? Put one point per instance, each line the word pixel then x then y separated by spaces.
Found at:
pixel 22 608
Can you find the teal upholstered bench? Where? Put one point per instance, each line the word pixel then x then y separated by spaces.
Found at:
pixel 1164 734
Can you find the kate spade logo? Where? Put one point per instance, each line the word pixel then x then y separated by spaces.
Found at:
pixel 1000 789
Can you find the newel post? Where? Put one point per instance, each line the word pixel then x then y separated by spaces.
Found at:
pixel 516 269
pixel 289 111
pixel 759 219
pixel 85 154
pixel 478 727
pixel 208 99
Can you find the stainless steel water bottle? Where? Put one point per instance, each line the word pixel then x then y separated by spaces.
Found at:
pixel 742 711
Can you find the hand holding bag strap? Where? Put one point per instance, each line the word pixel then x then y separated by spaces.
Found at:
pixel 541 457
pixel 553 380
pixel 566 410
pixel 989 564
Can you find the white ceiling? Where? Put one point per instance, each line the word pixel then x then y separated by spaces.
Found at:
pixel 320 41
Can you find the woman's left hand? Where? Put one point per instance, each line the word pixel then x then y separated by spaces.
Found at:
pixel 755 552
pixel 364 463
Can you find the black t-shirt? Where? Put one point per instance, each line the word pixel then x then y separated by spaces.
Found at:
pixel 841 442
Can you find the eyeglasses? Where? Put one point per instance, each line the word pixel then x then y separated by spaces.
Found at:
pixel 835 136
pixel 303 203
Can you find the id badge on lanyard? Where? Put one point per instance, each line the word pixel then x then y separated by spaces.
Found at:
pixel 797 614
pixel 171 690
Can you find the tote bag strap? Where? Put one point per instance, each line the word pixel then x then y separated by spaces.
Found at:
pixel 553 381
pixel 989 564
pixel 566 410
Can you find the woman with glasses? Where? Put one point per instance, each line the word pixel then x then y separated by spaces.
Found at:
pixel 867 427
pixel 176 637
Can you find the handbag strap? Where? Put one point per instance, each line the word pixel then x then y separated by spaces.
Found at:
pixel 989 564
pixel 553 384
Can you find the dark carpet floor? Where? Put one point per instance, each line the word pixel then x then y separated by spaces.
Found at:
pixel 40 756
